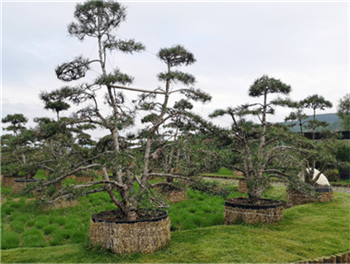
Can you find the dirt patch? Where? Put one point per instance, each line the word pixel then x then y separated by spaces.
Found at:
pixel 4 200
pixel 117 216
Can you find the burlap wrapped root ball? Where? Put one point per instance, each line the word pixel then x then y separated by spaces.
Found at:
pixel 129 237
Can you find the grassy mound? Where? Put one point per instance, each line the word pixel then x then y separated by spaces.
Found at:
pixel 307 231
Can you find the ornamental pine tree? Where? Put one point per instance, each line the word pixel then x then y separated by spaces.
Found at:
pixel 18 148
pixel 120 157
pixel 263 150
pixel 343 111
pixel 316 102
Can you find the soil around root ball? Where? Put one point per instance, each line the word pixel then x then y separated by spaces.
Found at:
pixel 247 201
pixel 118 216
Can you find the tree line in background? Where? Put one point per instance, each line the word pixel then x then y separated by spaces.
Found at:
pixel 173 143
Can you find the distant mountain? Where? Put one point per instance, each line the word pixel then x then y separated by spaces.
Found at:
pixel 332 119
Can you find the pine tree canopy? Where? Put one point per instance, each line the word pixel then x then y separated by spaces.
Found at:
pixel 266 85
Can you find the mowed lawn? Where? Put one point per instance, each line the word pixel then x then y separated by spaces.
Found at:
pixel 306 232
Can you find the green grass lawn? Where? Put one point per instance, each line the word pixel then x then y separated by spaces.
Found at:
pixel 341 182
pixel 61 236
pixel 226 173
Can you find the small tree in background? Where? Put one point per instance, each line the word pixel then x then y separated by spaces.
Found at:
pixel 54 101
pixel 18 149
pixel 316 102
pixel 343 111
pixel 298 115
pixel 324 149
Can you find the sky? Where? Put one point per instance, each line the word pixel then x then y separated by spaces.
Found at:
pixel 304 44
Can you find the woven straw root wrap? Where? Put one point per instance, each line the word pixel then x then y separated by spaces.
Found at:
pixel 253 216
pixel 144 237
pixel 83 179
pixel 175 196
pixel 8 180
pixel 242 186
pixel 60 204
pixel 296 198
pixel 19 184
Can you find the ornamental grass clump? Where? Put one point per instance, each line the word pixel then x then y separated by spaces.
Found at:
pixel 9 239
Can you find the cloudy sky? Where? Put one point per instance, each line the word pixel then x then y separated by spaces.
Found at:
pixel 305 44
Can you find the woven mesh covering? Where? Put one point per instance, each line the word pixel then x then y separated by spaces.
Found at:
pixel 297 198
pixel 175 196
pixel 137 236
pixel 20 184
pixel 60 204
pixel 8 180
pixel 252 214
pixel 242 186
pixel 83 179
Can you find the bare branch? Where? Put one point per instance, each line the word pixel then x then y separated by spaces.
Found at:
pixel 136 89
pixel 169 175
pixel 163 183
pixel 70 173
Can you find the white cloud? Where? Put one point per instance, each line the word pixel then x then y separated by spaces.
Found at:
pixel 303 44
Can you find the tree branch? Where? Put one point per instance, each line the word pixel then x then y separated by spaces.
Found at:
pixel 136 89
